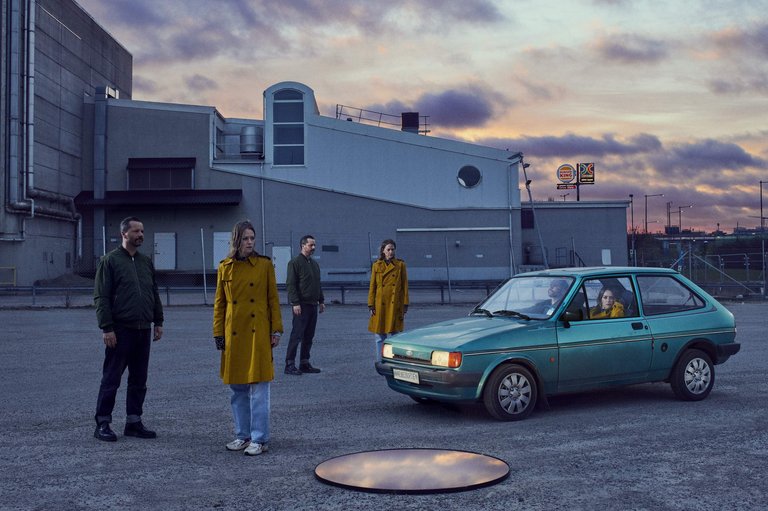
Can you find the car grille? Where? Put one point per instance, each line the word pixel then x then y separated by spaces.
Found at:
pixel 413 359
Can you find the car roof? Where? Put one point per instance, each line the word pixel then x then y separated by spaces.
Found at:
pixel 590 271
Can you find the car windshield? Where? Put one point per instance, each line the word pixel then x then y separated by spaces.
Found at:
pixel 527 298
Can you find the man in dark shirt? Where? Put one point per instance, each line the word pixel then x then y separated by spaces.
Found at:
pixel 127 304
pixel 306 297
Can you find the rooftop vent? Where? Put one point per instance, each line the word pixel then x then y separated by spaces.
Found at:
pixel 410 122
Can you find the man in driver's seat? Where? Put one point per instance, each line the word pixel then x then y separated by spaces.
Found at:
pixel 556 291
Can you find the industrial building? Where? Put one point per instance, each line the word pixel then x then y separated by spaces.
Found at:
pixel 79 155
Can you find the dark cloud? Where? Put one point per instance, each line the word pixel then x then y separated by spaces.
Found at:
pixel 631 49
pixel 706 155
pixel 750 40
pixel 739 72
pixel 144 86
pixel 456 108
pixel 130 13
pixel 748 82
pixel 571 145
pixel 471 106
pixel 200 83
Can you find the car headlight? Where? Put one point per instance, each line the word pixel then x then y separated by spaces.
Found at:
pixel 386 351
pixel 446 358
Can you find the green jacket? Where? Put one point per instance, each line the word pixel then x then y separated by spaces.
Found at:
pixel 125 292
pixel 303 281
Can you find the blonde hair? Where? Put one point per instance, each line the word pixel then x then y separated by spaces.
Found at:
pixel 237 237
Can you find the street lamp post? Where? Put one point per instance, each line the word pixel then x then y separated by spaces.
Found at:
pixel 564 195
pixel 680 218
pixel 669 218
pixel 632 220
pixel 762 238
pixel 646 207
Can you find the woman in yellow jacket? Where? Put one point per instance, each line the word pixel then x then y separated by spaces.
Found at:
pixel 387 295
pixel 246 327
pixel 607 306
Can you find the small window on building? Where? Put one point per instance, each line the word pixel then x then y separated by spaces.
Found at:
pixel 288 127
pixel 469 176
pixel 161 173
pixel 526 218
pixel 329 248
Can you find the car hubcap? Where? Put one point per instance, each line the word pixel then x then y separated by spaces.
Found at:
pixel 697 376
pixel 514 393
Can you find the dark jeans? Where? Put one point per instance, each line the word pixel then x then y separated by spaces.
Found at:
pixel 132 351
pixel 303 331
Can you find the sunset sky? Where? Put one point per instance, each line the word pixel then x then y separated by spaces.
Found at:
pixel 664 97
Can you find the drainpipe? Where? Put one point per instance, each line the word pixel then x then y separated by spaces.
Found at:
pixel 29 102
pixel 19 166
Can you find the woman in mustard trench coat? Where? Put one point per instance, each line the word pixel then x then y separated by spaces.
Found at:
pixel 607 306
pixel 387 295
pixel 246 326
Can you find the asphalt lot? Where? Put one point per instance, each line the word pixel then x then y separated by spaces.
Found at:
pixel 631 448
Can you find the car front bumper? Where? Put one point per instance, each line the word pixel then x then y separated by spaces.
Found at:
pixel 438 384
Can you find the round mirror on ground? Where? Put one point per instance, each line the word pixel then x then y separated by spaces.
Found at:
pixel 412 471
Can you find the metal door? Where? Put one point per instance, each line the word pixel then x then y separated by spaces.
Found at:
pixel 280 258
pixel 220 247
pixel 165 251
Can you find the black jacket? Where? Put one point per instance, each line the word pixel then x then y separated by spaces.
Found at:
pixel 125 292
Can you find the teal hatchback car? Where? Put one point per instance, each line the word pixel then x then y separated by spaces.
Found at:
pixel 566 330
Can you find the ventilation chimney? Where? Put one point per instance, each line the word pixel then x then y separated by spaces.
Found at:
pixel 410 121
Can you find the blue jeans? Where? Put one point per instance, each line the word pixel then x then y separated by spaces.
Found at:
pixel 250 408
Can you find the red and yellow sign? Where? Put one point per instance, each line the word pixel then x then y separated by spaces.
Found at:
pixel 566 173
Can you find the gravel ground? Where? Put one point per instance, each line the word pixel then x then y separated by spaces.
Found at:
pixel 631 448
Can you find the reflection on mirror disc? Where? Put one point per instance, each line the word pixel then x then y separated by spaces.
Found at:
pixel 412 471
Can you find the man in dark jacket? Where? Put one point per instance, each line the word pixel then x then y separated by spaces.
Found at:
pixel 127 303
pixel 306 297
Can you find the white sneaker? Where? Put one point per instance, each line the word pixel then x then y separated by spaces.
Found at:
pixel 256 448
pixel 238 444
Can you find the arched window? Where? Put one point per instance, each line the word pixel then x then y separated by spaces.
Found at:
pixel 288 126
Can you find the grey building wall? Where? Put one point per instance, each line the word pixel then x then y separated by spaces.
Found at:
pixel 56 55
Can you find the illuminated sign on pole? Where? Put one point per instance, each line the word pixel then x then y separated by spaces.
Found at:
pixel 586 173
pixel 566 173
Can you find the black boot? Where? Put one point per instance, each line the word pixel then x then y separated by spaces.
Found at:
pixel 138 430
pixel 105 433
pixel 291 369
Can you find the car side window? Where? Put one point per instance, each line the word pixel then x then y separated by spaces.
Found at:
pixel 578 305
pixel 610 297
pixel 662 294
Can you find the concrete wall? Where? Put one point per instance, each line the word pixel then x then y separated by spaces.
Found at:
pixel 72 55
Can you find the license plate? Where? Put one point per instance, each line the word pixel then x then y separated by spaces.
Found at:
pixel 409 376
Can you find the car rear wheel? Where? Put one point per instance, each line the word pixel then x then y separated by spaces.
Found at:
pixel 693 376
pixel 510 393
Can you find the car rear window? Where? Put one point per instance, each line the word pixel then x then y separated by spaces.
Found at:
pixel 662 294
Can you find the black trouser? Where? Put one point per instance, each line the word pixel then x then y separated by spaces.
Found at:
pixel 303 331
pixel 132 351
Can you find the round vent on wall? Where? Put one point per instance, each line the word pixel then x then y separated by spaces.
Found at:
pixel 469 176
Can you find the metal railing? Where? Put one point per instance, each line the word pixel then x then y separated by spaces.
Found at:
pixel 335 294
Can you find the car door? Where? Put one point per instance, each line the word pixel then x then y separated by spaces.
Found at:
pixel 675 314
pixel 606 351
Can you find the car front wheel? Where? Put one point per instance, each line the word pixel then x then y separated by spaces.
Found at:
pixel 693 376
pixel 510 393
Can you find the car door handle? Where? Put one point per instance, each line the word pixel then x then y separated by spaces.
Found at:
pixel 637 326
